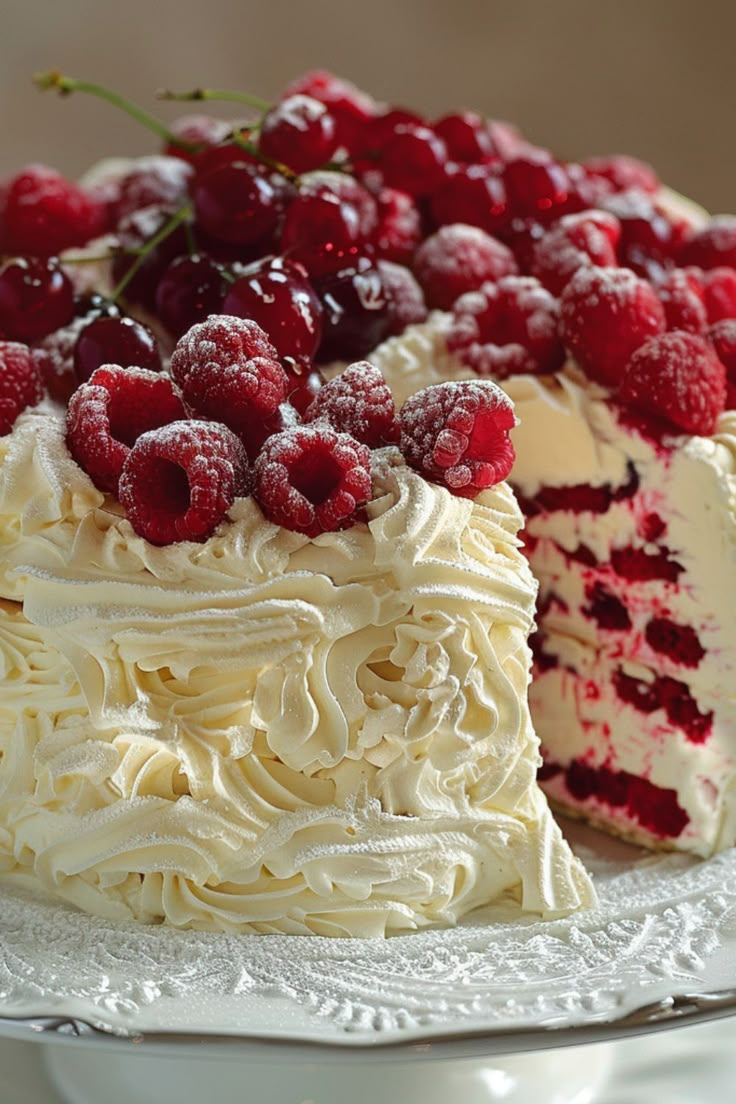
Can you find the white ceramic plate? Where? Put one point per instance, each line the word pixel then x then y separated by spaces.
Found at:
pixel 661 947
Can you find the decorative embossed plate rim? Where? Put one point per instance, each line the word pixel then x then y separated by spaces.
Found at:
pixel 660 950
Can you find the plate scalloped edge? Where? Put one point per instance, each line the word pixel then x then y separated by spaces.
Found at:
pixel 660 948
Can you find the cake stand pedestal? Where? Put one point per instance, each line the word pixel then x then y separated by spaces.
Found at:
pixel 572 1075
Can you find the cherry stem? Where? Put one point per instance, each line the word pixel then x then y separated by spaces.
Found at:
pixel 222 94
pixel 168 228
pixel 55 80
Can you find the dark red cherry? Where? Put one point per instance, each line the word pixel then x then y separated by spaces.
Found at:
pixel 121 341
pixel 298 132
pixel 133 234
pixel 467 137
pixel 303 383
pixel 36 298
pixel 413 160
pixel 473 195
pixel 277 295
pixel 356 312
pixel 236 203
pixel 191 289
pixel 536 185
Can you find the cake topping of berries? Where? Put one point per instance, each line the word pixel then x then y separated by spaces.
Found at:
pixel 358 402
pixel 312 479
pixel 228 371
pixel 678 377
pixel 457 434
pixel 107 415
pixel 507 327
pixel 457 258
pixel 587 238
pixel 179 481
pixel 20 383
pixel 42 213
pixel 606 314
pixel 682 295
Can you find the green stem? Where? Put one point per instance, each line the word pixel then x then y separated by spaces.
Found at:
pixel 221 94
pixel 66 85
pixel 168 228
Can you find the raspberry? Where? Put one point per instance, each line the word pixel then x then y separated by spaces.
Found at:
pixel 719 290
pixel 107 415
pixel 228 371
pixel 155 181
pixel 713 246
pixel 506 328
pixel 606 314
pixel 623 173
pixel 358 402
pixel 312 479
pixel 722 336
pixel 456 259
pixel 180 480
pixel 42 213
pixel 677 376
pixel 20 383
pixel 406 304
pixel 588 238
pixel 399 229
pixel 681 294
pixel 457 434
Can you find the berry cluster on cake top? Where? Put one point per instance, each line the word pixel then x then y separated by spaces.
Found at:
pixel 260 251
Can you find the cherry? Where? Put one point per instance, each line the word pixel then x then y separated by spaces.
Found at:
pixel 328 224
pixel 133 233
pixel 276 293
pixel 649 239
pixel 536 185
pixel 413 160
pixel 298 132
pixel 356 311
pixel 196 130
pixel 156 181
pixel 472 195
pixel 191 289
pixel 467 137
pixel 42 213
pixel 236 203
pixel 36 297
pixel 303 383
pixel 349 106
pixel 623 173
pixel 110 340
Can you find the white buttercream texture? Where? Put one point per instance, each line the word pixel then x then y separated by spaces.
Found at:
pixel 265 732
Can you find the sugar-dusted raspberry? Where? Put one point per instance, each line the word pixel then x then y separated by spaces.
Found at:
pixel 722 336
pixel 399 229
pixel 155 181
pixel 42 213
pixel 677 376
pixel 587 238
pixel 506 328
pixel 358 402
pixel 228 370
pixel 606 314
pixel 180 480
pixel 406 303
pixel 20 383
pixel 312 479
pixel 713 246
pixel 107 415
pixel 719 291
pixel 458 258
pixel 457 434
pixel 682 295
pixel 623 173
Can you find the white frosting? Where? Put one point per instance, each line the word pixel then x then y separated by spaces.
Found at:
pixel 568 434
pixel 265 732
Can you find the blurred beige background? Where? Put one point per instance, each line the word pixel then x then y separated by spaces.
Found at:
pixel 651 77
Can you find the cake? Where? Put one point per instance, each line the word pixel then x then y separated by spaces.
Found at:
pixel 265 611
pixel 263 667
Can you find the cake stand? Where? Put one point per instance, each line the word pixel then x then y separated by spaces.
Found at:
pixel 501 1008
